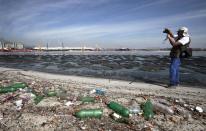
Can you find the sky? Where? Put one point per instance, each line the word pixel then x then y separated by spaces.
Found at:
pixel 101 23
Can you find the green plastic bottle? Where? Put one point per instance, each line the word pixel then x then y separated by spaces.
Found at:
pixel 121 110
pixel 38 99
pixel 148 110
pixel 13 87
pixel 89 113
pixel 51 93
pixel 87 99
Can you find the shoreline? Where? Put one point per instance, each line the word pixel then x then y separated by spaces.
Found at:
pixel 112 84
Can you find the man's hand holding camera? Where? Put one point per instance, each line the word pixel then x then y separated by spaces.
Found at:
pixel 170 36
pixel 168 32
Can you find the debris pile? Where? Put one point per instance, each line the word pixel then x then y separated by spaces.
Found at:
pixel 29 103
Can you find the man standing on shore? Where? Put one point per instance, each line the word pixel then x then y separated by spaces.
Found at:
pixel 177 43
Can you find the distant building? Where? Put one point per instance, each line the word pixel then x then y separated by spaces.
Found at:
pixel 9 45
pixel 19 45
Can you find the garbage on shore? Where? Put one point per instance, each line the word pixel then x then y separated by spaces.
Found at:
pixel 89 113
pixel 97 106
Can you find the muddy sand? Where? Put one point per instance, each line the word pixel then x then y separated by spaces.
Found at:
pixel 52 113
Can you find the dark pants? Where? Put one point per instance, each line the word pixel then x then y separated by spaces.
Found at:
pixel 174 71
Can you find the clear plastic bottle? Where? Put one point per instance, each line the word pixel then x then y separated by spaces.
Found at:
pixel 162 108
pixel 98 91
pixel 134 108
pixel 186 114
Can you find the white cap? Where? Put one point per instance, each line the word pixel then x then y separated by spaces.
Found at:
pixel 185 31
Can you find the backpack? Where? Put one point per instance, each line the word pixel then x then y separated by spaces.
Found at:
pixel 185 50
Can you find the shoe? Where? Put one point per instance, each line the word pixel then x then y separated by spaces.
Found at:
pixel 172 86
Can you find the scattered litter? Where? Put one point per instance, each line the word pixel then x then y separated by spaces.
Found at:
pixel 92 91
pixel 87 99
pixel 19 104
pixel 37 99
pixel 91 110
pixel 83 127
pixel 148 110
pixel 121 110
pixel 162 108
pixel 98 91
pixel 69 103
pixel 8 97
pixel 27 96
pixel 12 88
pixel 185 105
pixel 135 108
pixel 89 113
pixel 186 114
pixel 51 93
pixel 198 109
pixel 115 116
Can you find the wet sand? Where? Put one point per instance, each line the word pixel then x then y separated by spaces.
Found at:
pixel 153 69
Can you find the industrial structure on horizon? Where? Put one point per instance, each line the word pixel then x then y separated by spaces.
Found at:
pixel 84 48
pixel 7 45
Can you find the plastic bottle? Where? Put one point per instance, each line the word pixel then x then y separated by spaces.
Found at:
pixel 92 91
pixel 134 108
pixel 148 110
pixel 100 91
pixel 62 94
pixel 97 91
pixel 198 109
pixel 38 99
pixel 87 99
pixel 162 108
pixel 13 87
pixel 51 93
pixel 19 104
pixel 121 110
pixel 115 116
pixel 186 114
pixel 89 113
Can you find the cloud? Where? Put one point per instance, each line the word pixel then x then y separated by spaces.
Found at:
pixel 97 30
pixel 91 21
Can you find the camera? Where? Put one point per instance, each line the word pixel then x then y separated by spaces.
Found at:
pixel 167 31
